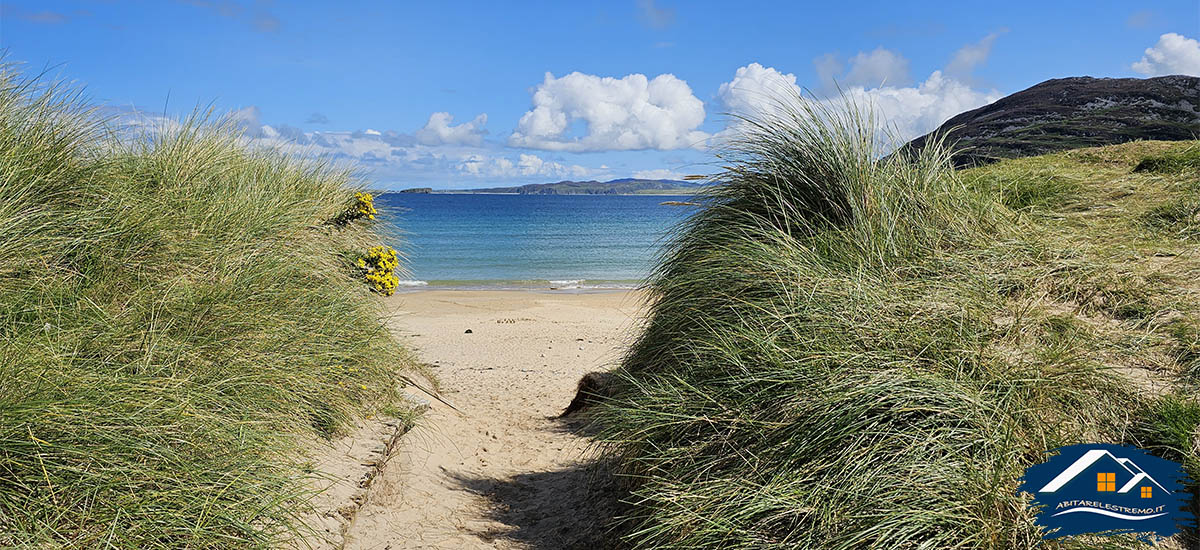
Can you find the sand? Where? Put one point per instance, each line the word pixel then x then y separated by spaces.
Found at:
pixel 504 472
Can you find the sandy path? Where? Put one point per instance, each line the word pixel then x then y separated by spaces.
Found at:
pixel 505 473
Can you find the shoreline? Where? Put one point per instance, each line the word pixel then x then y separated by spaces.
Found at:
pixel 565 286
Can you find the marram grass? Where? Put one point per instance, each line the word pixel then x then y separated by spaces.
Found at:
pixel 846 350
pixel 176 316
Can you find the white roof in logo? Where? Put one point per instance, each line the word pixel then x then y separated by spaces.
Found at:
pixel 1084 462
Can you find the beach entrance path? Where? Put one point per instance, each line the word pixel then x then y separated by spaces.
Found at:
pixel 503 472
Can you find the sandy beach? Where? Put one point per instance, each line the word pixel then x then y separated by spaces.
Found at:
pixel 503 471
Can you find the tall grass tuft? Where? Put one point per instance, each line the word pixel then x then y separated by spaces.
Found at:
pixel 176 318
pixel 829 361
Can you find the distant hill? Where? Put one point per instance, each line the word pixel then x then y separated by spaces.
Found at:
pixel 626 186
pixel 1069 113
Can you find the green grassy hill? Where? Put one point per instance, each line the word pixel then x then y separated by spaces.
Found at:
pixel 177 315
pixel 850 353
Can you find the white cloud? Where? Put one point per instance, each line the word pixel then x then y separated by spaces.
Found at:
pixel 913 111
pixel 390 158
pixel 1173 54
pixel 526 165
pixel 756 89
pixel 908 111
pixel 627 113
pixel 438 131
pixel 879 67
pixel 878 80
pixel 829 70
pixel 247 120
pixel 972 55
pixel 658 174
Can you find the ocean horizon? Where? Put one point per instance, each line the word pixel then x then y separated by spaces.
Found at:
pixel 510 241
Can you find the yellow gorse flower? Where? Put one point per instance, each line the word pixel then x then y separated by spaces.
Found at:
pixel 365 206
pixel 379 269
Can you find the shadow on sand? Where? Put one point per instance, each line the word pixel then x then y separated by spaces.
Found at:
pixel 566 508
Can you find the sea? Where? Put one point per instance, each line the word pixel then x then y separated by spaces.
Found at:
pixel 498 241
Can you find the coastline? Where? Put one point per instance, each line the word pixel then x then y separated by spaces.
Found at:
pixel 410 286
pixel 671 194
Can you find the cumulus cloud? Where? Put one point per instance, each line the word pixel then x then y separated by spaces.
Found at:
pixel 392 158
pixel 248 120
pixel 628 113
pixel 755 89
pixel 439 131
pixel 829 70
pixel 908 111
pixel 653 16
pixel 526 165
pixel 1173 54
pixel 972 55
pixel 440 151
pixel 912 111
pixel 878 67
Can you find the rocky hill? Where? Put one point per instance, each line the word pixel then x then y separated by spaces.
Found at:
pixel 625 186
pixel 1069 113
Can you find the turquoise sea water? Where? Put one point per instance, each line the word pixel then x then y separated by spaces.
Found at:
pixel 528 241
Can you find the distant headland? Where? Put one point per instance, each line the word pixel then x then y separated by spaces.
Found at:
pixel 625 186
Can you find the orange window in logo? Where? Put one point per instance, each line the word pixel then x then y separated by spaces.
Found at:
pixel 1106 482
pixel 1147 492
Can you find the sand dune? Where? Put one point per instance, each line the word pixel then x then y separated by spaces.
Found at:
pixel 504 472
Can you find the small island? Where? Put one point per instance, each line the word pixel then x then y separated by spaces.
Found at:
pixel 418 190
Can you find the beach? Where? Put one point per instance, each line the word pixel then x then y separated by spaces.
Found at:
pixel 502 471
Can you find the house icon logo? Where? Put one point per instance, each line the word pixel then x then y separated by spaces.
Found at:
pixel 1111 489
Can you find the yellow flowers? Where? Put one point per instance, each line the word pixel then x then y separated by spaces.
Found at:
pixel 379 269
pixel 363 207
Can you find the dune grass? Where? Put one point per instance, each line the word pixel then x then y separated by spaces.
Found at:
pixel 847 352
pixel 176 318
pixel 1170 162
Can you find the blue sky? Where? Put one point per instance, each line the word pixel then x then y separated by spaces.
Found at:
pixel 454 95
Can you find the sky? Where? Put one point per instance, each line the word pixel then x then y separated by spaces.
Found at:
pixel 463 94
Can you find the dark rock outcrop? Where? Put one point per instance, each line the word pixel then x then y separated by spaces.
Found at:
pixel 1069 113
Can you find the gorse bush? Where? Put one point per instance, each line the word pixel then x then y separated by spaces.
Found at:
pixel 846 350
pixel 171 307
pixel 363 207
pixel 379 268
